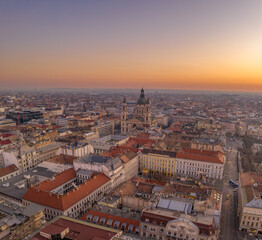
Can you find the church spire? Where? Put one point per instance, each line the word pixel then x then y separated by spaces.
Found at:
pixel 142 95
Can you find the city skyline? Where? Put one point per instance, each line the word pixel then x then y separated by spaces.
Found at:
pixel 203 45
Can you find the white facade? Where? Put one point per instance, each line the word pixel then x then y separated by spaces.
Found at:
pixel 196 168
pixel 80 151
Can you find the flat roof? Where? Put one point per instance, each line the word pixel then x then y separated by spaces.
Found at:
pixel 175 205
pixel 9 188
pixel 93 158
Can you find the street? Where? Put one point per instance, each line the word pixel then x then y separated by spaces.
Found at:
pixel 229 221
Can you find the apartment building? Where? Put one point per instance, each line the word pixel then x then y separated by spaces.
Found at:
pixel 69 228
pixel 47 150
pixel 176 219
pixel 26 157
pixel 250 203
pixel 7 123
pixel 77 149
pixel 207 144
pixel 188 162
pixel 8 172
pixel 105 128
pixel 63 196
pixel 157 161
pixel 18 221
pixel 193 162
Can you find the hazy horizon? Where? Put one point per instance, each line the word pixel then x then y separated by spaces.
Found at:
pixel 186 45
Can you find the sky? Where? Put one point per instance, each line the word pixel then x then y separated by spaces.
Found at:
pixel 169 44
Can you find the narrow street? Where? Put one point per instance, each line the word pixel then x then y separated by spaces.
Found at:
pixel 229 221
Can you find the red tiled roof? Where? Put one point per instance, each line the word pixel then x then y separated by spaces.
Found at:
pixel 143 135
pixel 53 229
pixel 198 157
pixel 59 179
pixel 115 218
pixel 131 146
pixel 63 159
pixel 63 202
pixel 139 141
pixel 149 181
pixel 158 219
pixel 119 150
pixel 7 170
pixel 79 229
pixel 200 152
pixel 6 135
pixel 5 142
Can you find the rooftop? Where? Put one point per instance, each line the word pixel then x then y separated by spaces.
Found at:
pixel 160 152
pixel 7 170
pixel 17 186
pixel 109 219
pixel 176 205
pixel 255 203
pixel 63 159
pixel 57 180
pixel 78 230
pixel 92 158
pixel 62 202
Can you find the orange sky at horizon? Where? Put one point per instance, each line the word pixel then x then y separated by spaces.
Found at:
pixel 194 45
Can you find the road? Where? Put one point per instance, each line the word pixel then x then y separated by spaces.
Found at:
pixel 229 221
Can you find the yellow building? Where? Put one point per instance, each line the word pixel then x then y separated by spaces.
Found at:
pixel 158 162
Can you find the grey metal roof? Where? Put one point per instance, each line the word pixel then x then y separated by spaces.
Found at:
pixel 85 172
pixel 114 163
pixel 32 209
pixel 157 188
pixel 9 187
pixel 92 158
pixel 175 205
pixel 255 203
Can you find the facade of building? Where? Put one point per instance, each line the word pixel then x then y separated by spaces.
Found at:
pixel 7 123
pixel 209 125
pixel 175 219
pixel 207 144
pixel 8 172
pixel 188 162
pixel 76 149
pixel 25 116
pixel 250 203
pixel 191 162
pixel 63 196
pixel 104 128
pixel 103 144
pixel 141 117
pixel 251 217
pixel 120 168
pixel 26 157
pixel 157 161
pixel 18 221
